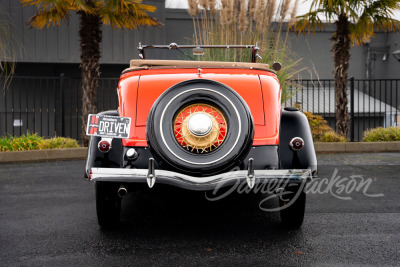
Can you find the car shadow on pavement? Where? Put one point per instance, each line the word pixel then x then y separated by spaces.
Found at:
pixel 184 227
pixel 175 212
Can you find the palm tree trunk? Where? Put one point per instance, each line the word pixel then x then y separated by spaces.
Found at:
pixel 341 58
pixel 90 34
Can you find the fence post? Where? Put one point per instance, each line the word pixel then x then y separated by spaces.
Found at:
pixel 351 109
pixel 62 103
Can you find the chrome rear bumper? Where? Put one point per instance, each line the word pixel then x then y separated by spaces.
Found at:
pixel 197 183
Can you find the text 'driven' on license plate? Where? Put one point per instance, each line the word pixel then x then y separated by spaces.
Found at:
pixel 108 126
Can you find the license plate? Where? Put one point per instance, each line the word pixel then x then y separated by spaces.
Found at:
pixel 108 126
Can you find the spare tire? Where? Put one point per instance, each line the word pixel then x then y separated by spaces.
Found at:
pixel 200 127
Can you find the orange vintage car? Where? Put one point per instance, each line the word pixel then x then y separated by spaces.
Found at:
pixel 199 125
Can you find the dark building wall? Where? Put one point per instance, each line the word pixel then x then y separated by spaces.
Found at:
pixel 57 46
pixel 61 44
pixel 391 67
pixel 68 69
pixel 315 51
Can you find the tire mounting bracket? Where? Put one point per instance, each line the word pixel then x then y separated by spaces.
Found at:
pixel 151 175
pixel 250 177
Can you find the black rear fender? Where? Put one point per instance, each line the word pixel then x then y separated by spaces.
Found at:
pixel 295 124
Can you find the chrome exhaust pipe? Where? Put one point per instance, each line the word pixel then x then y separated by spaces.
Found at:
pixel 122 191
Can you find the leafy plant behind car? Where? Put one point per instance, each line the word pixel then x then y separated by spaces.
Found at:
pixel 244 23
pixel 321 131
pixel 60 142
pixel 381 134
pixel 34 142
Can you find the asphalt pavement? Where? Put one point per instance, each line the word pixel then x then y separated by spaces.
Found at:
pixel 48 218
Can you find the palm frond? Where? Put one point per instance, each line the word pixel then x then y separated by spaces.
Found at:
pixel 126 14
pixel 50 12
pixel 378 15
pixel 310 21
pixel 362 31
pixel 386 24
pixel 382 7
pixel 365 16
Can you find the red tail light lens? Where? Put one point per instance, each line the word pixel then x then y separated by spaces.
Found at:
pixel 296 143
pixel 104 145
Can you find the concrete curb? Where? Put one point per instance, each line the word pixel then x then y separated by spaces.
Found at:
pixel 80 153
pixel 357 147
pixel 43 155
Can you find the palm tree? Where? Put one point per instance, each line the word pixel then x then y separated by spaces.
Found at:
pixel 92 14
pixel 356 21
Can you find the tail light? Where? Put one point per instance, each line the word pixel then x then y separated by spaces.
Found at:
pixel 296 143
pixel 105 145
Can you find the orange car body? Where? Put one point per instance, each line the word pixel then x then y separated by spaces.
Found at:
pixel 260 89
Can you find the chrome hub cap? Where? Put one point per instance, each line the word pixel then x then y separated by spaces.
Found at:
pixel 200 124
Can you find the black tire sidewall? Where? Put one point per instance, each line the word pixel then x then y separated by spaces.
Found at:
pixel 292 216
pixel 108 204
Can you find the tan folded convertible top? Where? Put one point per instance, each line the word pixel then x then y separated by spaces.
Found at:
pixel 140 64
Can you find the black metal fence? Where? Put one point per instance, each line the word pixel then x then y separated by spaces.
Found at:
pixel 51 106
pixel 372 103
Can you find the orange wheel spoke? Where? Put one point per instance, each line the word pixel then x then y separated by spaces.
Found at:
pixel 200 144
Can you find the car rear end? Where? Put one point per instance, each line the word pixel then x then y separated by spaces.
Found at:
pixel 201 126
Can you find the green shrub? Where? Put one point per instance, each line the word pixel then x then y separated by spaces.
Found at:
pixel 34 141
pixel 331 136
pixel 381 134
pixel 321 131
pixel 60 142
pixel 24 142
